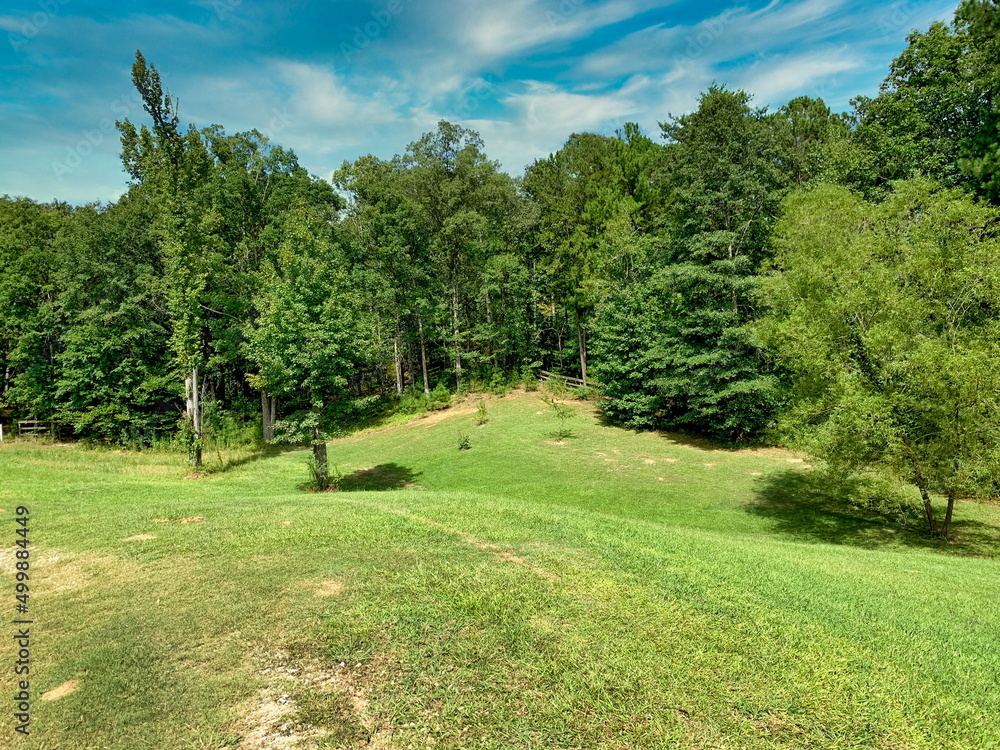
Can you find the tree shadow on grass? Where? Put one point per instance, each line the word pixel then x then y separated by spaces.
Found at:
pixel 679 438
pixel 382 477
pixel 214 464
pixel 809 506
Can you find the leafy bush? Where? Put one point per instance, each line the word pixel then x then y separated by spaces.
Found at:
pixel 440 398
pixel 482 414
pixel 223 429
pixel 529 380
pixel 498 385
pixel 464 443
pixel 320 480
pixel 556 387
pixel 563 413
pixel 413 401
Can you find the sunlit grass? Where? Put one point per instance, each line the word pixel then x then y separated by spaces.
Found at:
pixel 609 590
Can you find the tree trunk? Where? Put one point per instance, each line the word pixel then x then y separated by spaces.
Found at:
pixel 193 414
pixel 929 511
pixel 268 406
pixel 581 336
pixel 559 336
pixel 423 355
pixel 492 334
pixel 397 360
pixel 946 528
pixel 454 331
pixel 319 454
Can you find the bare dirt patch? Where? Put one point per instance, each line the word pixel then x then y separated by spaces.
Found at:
pixel 429 420
pixel 329 588
pixel 277 719
pixel 139 538
pixel 70 686
pixel 60 571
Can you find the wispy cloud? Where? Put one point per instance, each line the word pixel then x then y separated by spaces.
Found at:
pixel 336 80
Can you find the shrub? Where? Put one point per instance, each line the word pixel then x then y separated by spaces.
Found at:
pixel 529 381
pixel 482 414
pixel 440 398
pixel 498 384
pixel 556 387
pixel 563 413
pixel 413 401
pixel 320 481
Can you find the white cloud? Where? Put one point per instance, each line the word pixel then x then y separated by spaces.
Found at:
pixel 777 79
pixel 11 24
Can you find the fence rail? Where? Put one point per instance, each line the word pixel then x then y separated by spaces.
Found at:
pixel 33 426
pixel 545 375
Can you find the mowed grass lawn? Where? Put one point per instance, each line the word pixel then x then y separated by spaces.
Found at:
pixel 614 590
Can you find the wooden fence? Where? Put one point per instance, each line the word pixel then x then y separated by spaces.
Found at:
pixel 33 427
pixel 544 376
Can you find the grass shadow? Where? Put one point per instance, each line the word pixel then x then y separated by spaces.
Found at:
pixel 379 478
pixel 809 506
pixel 687 440
pixel 227 463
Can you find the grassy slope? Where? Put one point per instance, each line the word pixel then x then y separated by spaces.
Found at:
pixel 619 590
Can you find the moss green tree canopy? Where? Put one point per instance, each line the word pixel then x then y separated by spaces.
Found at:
pixel 304 338
pixel 889 317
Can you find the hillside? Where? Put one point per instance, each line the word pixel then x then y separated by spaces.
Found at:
pixel 609 590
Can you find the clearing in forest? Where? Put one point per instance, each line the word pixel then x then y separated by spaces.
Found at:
pixel 609 589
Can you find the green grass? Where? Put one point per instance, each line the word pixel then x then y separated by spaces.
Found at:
pixel 608 590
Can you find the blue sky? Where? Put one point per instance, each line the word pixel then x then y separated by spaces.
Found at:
pixel 338 79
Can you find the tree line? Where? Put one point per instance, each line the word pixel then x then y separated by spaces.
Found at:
pixel 830 276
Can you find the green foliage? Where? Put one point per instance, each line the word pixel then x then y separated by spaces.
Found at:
pixel 321 477
pixel 464 442
pixel 224 429
pixel 555 387
pixel 413 401
pixel 440 398
pixel 674 352
pixel 563 413
pixel 889 317
pixel 482 414
pixel 979 21
pixel 925 111
pixel 529 380
pixel 807 134
pixel 498 384
pixel 629 370
pixel 303 341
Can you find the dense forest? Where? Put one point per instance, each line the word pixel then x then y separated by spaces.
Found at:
pixel 830 280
